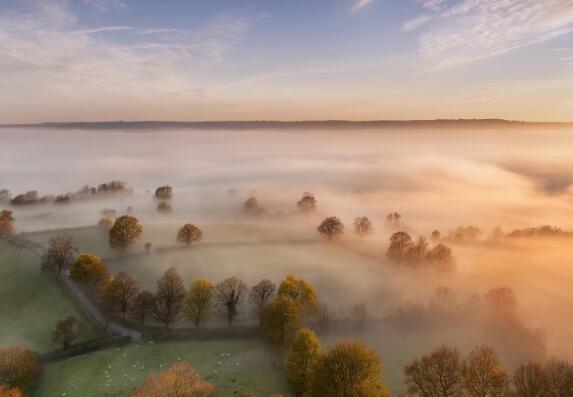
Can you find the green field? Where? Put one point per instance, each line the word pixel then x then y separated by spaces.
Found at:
pixel 32 302
pixel 249 368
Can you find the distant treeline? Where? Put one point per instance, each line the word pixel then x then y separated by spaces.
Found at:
pixel 86 192
pixel 317 124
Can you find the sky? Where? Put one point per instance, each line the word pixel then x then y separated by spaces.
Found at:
pixel 95 60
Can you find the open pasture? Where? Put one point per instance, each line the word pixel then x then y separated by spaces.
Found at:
pixel 235 366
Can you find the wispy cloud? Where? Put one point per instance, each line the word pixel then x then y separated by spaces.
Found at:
pixel 360 4
pixel 469 30
pixel 105 5
pixel 46 46
pixel 416 23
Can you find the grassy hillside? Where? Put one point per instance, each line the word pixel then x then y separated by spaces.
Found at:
pixel 32 302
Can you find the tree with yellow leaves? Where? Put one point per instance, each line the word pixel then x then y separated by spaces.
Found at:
pixel 199 302
pixel 304 353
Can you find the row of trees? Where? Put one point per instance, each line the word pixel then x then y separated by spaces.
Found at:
pixel 444 373
pixel 171 301
pixel 403 249
pixel 86 192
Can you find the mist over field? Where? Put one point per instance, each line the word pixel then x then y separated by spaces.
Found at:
pixel 436 180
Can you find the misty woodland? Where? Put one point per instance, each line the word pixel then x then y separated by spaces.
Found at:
pixel 288 198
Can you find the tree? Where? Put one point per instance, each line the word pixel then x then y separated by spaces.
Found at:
pixel 394 220
pixel 229 294
pixel 363 226
pixel 119 292
pixel 6 223
pixel 60 253
pixel 199 301
pixel 67 330
pixel 178 381
pixel 89 269
pixel 260 296
pixel 416 252
pixel 559 378
pixel 360 314
pixel 148 247
pixel 164 207
pixel 105 225
pixel 441 257
pixel 5 196
pixel 252 207
pixel 108 213
pixel 188 234
pixel 169 298
pixel 436 236
pixel 307 204
pixel 5 392
pixel 529 380
pixel 400 243
pixel 301 292
pixel 164 193
pixel 19 367
pixel 304 353
pixel 142 305
pixel 331 227
pixel 349 369
pixel 125 231
pixel 483 374
pixel 438 374
pixel 280 321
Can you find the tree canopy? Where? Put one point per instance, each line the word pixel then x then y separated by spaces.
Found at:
pixel 125 231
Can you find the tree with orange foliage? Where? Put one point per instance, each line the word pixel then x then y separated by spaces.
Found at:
pixel 18 367
pixel 5 392
pixel 178 381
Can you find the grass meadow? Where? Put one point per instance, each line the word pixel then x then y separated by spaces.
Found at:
pixel 32 302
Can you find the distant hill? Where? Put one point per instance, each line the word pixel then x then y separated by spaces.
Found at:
pixel 315 124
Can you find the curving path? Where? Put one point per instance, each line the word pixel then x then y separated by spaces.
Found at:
pixel 79 296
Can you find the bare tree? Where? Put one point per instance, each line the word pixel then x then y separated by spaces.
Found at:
pixel 60 254
pixel 120 291
pixel 142 305
pixel 170 297
pixel 483 374
pixel 559 377
pixel 439 374
pixel 260 296
pixel 229 295
pixel 529 380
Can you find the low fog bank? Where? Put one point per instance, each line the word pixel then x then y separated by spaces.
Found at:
pixel 436 180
